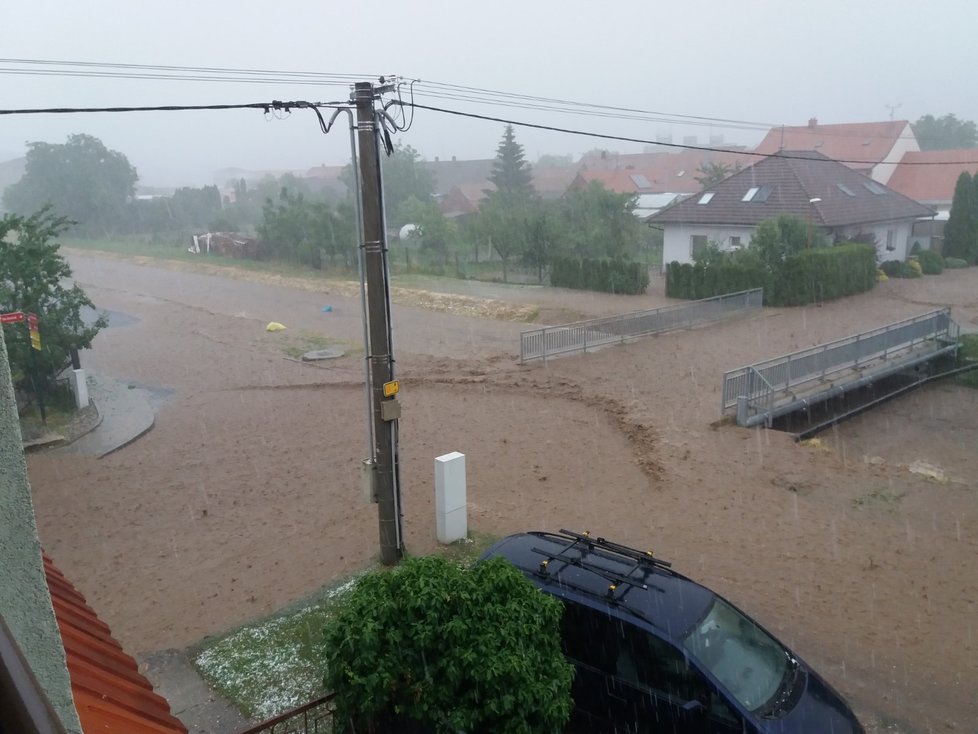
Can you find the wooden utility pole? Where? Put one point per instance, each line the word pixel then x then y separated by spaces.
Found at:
pixel 380 358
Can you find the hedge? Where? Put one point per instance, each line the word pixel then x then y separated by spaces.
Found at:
pixel 810 276
pixel 686 280
pixel 609 275
pixel 931 262
pixel 955 263
pixel 900 269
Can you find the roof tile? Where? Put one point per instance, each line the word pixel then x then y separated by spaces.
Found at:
pixel 111 695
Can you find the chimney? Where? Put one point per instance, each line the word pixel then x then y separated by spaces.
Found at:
pixel 453 159
pixel 813 122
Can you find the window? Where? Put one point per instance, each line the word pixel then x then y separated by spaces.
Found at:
pixel 874 188
pixel 640 181
pixel 706 198
pixel 763 193
pixel 845 189
pixel 735 243
pixel 751 665
pixel 890 237
pixel 758 193
pixel 698 244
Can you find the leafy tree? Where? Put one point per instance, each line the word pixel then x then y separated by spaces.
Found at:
pixel 510 172
pixel 451 648
pixel 600 223
pixel 503 222
pixel 945 133
pixel 307 231
pixel 714 173
pixel 546 234
pixel 552 160
pixel 436 233
pixel 961 230
pixel 775 240
pixel 80 180
pixel 405 175
pixel 33 277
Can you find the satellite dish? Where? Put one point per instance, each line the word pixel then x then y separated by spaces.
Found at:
pixel 408 231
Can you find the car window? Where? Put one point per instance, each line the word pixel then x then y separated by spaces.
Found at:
pixel 637 658
pixel 745 659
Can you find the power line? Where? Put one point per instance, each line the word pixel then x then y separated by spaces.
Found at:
pixel 266 107
pixel 624 139
pixel 432 89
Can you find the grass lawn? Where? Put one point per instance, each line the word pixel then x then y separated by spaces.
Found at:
pixel 275 664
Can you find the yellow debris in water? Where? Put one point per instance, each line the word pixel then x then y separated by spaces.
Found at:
pixel 275 326
pixel 815 443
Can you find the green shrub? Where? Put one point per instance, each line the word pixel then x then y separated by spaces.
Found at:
pixel 685 280
pixel 452 648
pixel 955 263
pixel 808 276
pixel 931 262
pixel 614 275
pixel 824 274
pixel 893 268
pixel 900 269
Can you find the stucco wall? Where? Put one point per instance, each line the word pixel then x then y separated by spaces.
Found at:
pixel 901 238
pixel 677 239
pixel 906 143
pixel 25 602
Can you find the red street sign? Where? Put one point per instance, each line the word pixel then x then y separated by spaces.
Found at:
pixel 32 321
pixel 11 318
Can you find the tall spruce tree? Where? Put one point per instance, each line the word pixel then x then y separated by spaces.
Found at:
pixel 510 171
pixel 961 230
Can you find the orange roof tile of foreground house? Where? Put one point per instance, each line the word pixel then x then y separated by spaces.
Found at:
pixel 111 695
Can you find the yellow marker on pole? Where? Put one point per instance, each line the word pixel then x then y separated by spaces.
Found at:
pixel 391 388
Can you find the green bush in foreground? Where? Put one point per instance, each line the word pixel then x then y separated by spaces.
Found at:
pixel 931 262
pixel 955 263
pixel 451 648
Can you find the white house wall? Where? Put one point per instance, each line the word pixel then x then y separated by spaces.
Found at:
pixel 901 238
pixel 906 143
pixel 677 239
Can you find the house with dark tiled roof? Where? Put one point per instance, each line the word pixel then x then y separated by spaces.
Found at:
pixel 835 199
pixel 873 148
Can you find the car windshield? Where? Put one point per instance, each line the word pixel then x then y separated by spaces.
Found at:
pixel 743 657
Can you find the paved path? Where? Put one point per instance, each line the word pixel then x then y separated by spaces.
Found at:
pixel 126 411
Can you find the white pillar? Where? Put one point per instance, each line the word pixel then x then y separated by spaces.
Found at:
pixel 451 521
pixel 79 387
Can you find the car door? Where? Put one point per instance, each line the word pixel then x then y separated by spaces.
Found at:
pixel 629 681
pixel 667 691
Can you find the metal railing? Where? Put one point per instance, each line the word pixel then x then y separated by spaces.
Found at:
pixel 315 717
pixel 760 381
pixel 581 335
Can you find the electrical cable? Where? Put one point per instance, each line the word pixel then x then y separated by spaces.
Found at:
pixel 624 139
pixel 432 89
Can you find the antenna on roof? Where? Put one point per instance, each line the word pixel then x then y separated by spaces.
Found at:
pixel 893 108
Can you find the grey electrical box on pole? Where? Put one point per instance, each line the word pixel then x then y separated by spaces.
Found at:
pixel 384 406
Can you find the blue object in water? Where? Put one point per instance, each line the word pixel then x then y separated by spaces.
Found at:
pixel 327 308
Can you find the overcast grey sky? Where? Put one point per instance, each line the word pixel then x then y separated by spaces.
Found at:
pixel 764 61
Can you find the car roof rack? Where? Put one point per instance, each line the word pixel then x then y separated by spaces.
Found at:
pixel 644 561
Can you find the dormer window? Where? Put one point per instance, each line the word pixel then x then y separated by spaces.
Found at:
pixel 706 198
pixel 758 194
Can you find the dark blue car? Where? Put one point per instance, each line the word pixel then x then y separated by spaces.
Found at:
pixel 656 652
